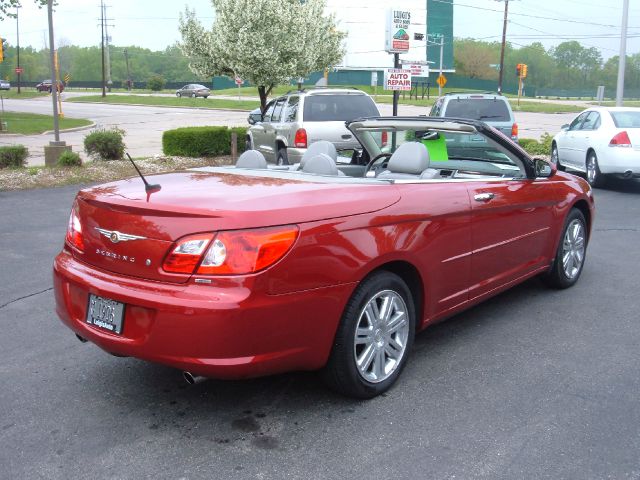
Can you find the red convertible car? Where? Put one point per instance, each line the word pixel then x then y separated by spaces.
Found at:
pixel 333 264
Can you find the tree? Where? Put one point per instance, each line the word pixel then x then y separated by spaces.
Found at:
pixel 473 58
pixel 266 42
pixel 7 7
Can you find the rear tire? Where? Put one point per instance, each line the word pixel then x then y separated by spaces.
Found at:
pixel 374 338
pixel 594 175
pixel 569 260
pixel 555 158
pixel 282 158
pixel 193 95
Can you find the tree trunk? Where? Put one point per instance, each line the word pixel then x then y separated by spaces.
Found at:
pixel 262 91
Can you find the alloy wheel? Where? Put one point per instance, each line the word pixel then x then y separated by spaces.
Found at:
pixel 573 249
pixel 382 332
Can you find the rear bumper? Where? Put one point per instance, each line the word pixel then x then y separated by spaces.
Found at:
pixel 228 331
pixel 618 160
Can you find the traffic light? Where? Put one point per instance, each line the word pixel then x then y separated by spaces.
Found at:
pixel 518 69
pixel 523 71
pixel 1 49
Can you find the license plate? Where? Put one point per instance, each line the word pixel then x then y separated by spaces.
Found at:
pixel 105 313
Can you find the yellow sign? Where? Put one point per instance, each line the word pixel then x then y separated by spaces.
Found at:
pixel 441 81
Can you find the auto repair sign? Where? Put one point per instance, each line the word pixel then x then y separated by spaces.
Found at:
pixel 397 79
pixel 397 38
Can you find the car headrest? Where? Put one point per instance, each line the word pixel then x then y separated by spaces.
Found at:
pixel 251 159
pixel 321 164
pixel 316 148
pixel 411 157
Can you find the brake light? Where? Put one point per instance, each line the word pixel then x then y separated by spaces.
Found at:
pixel 74 236
pixel 514 131
pixel 384 139
pixel 620 140
pixel 247 251
pixel 185 256
pixel 300 139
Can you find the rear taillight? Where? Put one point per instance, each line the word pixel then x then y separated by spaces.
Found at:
pixel 231 253
pixel 247 251
pixel 384 139
pixel 300 139
pixel 187 254
pixel 620 140
pixel 514 131
pixel 74 230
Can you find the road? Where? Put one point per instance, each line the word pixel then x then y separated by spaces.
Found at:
pixel 144 125
pixel 532 384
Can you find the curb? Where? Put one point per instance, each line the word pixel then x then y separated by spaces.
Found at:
pixel 164 106
pixel 74 129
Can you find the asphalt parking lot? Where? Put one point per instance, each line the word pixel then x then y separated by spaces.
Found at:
pixel 531 384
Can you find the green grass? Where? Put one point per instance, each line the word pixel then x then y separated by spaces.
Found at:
pixel 542 107
pixel 625 103
pixel 211 103
pixel 24 94
pixel 31 123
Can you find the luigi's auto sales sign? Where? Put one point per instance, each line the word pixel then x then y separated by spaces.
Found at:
pixel 397 38
pixel 397 79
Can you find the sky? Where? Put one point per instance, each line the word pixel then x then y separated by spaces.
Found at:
pixel 153 24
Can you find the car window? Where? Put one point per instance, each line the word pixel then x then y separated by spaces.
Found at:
pixel 269 110
pixel 626 119
pixel 494 110
pixel 331 108
pixel 277 110
pixel 590 121
pixel 435 110
pixel 291 111
pixel 577 122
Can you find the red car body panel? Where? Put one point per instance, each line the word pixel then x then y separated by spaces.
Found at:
pixel 456 251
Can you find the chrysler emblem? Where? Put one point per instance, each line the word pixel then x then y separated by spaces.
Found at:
pixel 116 236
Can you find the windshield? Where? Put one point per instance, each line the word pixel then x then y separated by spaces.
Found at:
pixel 484 109
pixel 447 149
pixel 626 119
pixel 334 108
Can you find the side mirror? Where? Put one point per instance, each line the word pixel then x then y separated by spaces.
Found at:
pixel 565 126
pixel 544 168
pixel 251 120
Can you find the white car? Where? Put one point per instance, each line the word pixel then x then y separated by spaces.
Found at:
pixel 600 142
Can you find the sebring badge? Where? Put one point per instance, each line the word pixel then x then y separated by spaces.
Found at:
pixel 116 236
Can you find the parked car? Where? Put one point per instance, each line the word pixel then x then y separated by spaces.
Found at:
pixel 294 121
pixel 490 108
pixel 600 142
pixel 5 85
pixel 47 86
pixel 193 90
pixel 249 270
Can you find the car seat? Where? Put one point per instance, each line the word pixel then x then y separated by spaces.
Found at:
pixel 251 159
pixel 409 161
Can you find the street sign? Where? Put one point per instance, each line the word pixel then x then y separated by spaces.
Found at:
pixel 441 81
pixel 238 81
pixel 397 79
pixel 397 38
pixel 19 70
pixel 67 77
pixel 374 79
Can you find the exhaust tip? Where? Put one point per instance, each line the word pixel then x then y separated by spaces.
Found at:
pixel 192 379
pixel 82 339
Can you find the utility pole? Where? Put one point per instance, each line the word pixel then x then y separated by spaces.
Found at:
pixel 504 41
pixel 107 49
pixel 18 71
pixel 126 59
pixel 441 55
pixel 623 54
pixel 104 92
pixel 54 85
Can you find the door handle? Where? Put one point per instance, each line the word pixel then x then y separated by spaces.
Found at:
pixel 483 197
pixel 346 137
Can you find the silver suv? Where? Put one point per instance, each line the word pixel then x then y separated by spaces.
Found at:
pixel 296 120
pixel 490 108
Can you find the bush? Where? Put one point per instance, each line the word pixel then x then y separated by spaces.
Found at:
pixel 69 159
pixel 13 156
pixel 202 141
pixel 535 147
pixel 156 83
pixel 105 144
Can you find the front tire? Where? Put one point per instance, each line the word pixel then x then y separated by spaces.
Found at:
pixel 555 158
pixel 374 337
pixel 193 95
pixel 594 176
pixel 570 256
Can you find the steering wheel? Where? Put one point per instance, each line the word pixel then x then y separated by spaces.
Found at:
pixel 378 163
